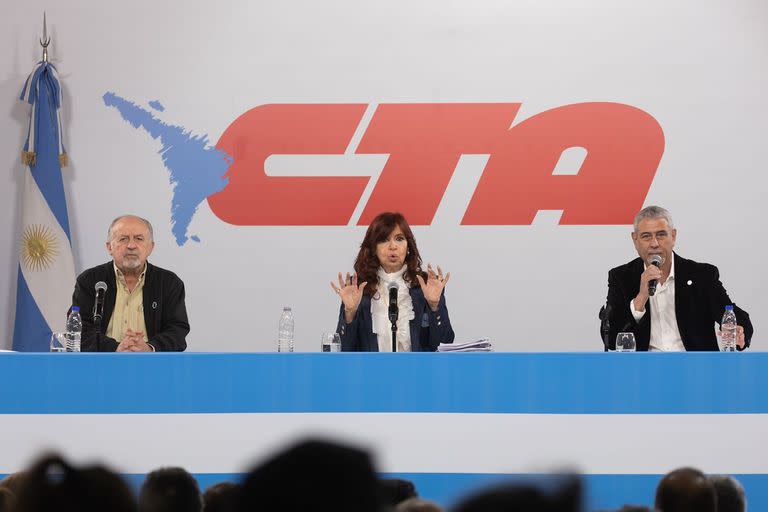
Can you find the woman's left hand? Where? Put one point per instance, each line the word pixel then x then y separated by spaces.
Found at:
pixel 433 287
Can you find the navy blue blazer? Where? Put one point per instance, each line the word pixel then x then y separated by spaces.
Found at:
pixel 428 328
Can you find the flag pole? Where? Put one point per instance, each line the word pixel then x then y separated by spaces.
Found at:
pixel 46 40
pixel 46 272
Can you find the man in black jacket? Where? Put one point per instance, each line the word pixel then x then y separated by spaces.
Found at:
pixel 689 297
pixel 144 307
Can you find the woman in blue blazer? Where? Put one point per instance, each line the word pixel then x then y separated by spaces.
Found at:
pixel 389 266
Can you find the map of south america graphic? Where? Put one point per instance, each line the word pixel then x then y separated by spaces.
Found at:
pixel 196 169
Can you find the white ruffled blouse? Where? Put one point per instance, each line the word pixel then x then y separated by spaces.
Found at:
pixel 380 311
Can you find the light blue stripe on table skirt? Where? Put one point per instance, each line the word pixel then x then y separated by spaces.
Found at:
pixel 599 383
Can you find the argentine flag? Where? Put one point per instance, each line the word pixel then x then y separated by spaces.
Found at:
pixel 46 267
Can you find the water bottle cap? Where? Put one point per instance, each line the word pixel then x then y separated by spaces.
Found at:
pixel 729 307
pixel 75 308
pixel 286 308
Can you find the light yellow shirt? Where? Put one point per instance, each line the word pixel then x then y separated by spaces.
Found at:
pixel 129 308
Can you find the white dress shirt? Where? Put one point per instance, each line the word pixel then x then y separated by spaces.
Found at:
pixel 665 334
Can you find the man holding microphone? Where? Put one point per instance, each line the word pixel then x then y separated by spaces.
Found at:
pixel 670 303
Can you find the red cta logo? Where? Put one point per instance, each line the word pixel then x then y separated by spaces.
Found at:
pixel 424 143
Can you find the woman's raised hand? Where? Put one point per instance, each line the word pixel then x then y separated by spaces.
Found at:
pixel 433 287
pixel 350 292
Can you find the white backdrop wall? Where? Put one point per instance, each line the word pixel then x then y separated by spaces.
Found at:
pixel 697 67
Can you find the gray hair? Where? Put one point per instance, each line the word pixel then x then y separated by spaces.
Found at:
pixel 730 493
pixel 654 212
pixel 118 219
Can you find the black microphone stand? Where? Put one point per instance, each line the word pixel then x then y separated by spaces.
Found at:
pixel 605 325
pixel 98 311
pixel 97 326
pixel 394 313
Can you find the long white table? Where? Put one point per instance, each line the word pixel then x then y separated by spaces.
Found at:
pixel 449 422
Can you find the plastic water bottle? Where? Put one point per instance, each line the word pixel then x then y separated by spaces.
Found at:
pixel 728 329
pixel 74 329
pixel 285 331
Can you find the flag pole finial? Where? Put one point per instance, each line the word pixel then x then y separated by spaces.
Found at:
pixel 46 40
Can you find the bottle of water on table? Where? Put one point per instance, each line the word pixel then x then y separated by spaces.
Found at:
pixel 74 330
pixel 728 329
pixel 285 331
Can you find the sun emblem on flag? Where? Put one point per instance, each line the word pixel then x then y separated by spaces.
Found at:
pixel 39 247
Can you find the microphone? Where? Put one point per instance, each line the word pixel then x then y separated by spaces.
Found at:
pixel 393 309
pixel 394 312
pixel 98 305
pixel 656 260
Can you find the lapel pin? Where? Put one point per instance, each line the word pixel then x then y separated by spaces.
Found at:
pixel 690 282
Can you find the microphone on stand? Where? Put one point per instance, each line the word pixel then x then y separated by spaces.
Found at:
pixel 394 312
pixel 98 305
pixel 98 310
pixel 656 260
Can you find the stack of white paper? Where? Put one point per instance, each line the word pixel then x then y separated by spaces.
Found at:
pixel 481 345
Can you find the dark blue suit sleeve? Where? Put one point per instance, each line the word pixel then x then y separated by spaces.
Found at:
pixel 349 333
pixel 439 330
pixel 621 318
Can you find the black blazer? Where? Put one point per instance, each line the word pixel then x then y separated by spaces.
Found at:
pixel 700 301
pixel 165 314
pixel 358 336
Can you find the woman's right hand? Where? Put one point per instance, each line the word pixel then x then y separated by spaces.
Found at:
pixel 351 294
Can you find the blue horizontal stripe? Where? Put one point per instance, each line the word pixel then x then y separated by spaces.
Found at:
pixel 599 383
pixel 602 492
